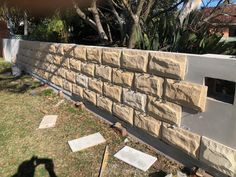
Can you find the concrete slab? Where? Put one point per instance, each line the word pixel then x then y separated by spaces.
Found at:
pixel 48 121
pixel 136 158
pixel 86 142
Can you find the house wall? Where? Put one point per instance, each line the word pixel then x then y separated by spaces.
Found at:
pixel 161 93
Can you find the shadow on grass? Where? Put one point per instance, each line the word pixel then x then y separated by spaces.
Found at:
pixel 20 84
pixel 27 168
pixel 158 174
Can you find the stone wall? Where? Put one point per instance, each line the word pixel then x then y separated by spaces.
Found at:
pixel 143 88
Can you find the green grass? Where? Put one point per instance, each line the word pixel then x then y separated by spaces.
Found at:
pixel 4 66
pixel 20 115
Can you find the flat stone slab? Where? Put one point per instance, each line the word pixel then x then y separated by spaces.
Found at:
pixel 86 142
pixel 48 121
pixel 136 158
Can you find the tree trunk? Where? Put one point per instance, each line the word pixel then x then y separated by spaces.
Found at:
pixel 96 16
pixel 25 24
pixel 133 37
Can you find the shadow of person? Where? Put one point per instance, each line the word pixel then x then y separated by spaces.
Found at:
pixel 27 168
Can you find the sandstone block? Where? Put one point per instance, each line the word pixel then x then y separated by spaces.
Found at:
pixel 62 72
pixel 135 100
pixel 70 76
pixel 104 103
pixel 187 94
pixel 147 123
pixel 82 80
pixel 67 85
pixel 77 90
pixel 95 85
pixel 94 55
pixel 113 92
pixel 148 84
pixel 135 60
pixel 123 112
pixel 75 64
pixel 183 139
pixel 122 78
pixel 80 53
pixel 90 96
pixel 88 69
pixel 168 64
pixel 218 156
pixel 65 62
pixel 52 48
pixel 165 111
pixel 68 49
pixel 103 72
pixel 57 60
pixel 111 57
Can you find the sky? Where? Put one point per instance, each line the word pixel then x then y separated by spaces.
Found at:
pixel 214 2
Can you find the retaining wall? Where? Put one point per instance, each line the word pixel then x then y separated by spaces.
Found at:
pixel 147 89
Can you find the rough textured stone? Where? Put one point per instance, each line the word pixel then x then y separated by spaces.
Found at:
pixel 77 90
pixel 187 94
pixel 147 123
pixel 123 112
pixel 103 72
pixel 75 64
pixel 88 69
pixel 80 53
pixel 111 57
pixel 68 49
pixel 170 65
pixel 82 80
pixel 122 78
pixel 67 85
pixel 149 84
pixel 165 111
pixel 135 60
pixel 183 139
pixel 95 85
pixel 70 76
pixel 135 100
pixel 57 60
pixel 65 62
pixel 218 156
pixel 62 72
pixel 113 92
pixel 90 96
pixel 94 54
pixel 104 103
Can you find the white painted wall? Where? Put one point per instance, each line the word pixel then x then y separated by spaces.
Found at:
pixel 10 49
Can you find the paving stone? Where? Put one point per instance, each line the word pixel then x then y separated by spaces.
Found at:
pixel 48 121
pixel 136 158
pixel 86 142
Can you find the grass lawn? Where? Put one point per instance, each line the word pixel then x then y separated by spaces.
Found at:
pixel 23 103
